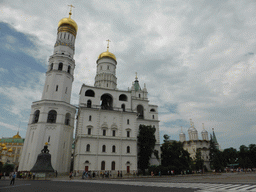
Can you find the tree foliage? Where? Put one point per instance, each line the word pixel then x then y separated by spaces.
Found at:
pixel 199 162
pixel 146 144
pixel 173 154
pixel 216 157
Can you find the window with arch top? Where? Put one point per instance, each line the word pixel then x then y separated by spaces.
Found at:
pixel 140 112
pixel 113 166
pixel 67 119
pixel 102 165
pixel 36 116
pixel 89 93
pixel 60 66
pixel 128 149
pixel 52 116
pixel 69 69
pixel 51 67
pixel 106 102
pixel 122 97
pixel 123 107
pixel 113 149
pixel 89 103
pixel 88 147
pixel 103 148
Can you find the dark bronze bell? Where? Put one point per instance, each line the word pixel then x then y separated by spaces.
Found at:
pixel 43 162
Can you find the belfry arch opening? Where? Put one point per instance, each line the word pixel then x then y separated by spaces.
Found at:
pixel 89 93
pixel 140 112
pixel 122 97
pixel 106 102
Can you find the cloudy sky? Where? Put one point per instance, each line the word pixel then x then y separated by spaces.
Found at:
pixel 197 59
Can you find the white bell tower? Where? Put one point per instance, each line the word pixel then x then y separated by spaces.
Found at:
pixel 52 118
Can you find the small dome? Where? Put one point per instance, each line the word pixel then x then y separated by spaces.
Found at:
pixel 68 21
pixel 204 131
pixel 190 129
pixel 17 136
pixel 10 150
pixel 3 145
pixel 107 54
pixel 5 148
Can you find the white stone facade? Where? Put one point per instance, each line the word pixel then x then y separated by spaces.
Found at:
pixel 194 143
pixel 108 122
pixel 52 118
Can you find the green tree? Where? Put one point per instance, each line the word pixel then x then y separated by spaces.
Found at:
pixel 216 160
pixel 230 156
pixel 146 144
pixel 199 162
pixel 7 168
pixel 174 155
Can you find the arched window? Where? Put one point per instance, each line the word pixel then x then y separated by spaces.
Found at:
pixel 113 166
pixel 89 93
pixel 90 117
pixel 88 147
pixel 36 116
pixel 103 148
pixel 152 110
pixel 67 119
pixel 139 95
pixel 140 112
pixel 89 103
pixel 52 116
pixel 102 165
pixel 128 149
pixel 51 67
pixel 104 132
pixel 69 68
pixel 153 116
pixel 57 87
pixel 123 107
pixel 114 133
pixel 128 121
pixel 122 97
pixel 106 102
pixel 113 149
pixel 108 67
pixel 89 131
pixel 128 133
pixel 60 66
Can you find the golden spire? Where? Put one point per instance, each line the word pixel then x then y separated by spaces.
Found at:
pixel 203 126
pixel 136 76
pixel 108 44
pixel 70 12
pixel 46 143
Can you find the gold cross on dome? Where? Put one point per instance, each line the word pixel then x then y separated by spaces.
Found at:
pixel 70 12
pixel 108 44
pixel 136 77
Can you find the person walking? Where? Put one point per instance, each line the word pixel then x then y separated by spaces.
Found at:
pixel 13 178
pixel 70 175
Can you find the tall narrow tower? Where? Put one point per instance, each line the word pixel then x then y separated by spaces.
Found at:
pixel 52 118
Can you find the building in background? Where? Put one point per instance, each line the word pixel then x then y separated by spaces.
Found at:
pixel 193 144
pixel 11 149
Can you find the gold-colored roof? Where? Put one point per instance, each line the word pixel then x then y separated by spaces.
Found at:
pixel 3 145
pixel 17 136
pixel 10 150
pixel 68 21
pixel 107 54
pixel 5 148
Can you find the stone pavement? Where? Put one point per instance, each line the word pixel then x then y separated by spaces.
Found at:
pixel 206 178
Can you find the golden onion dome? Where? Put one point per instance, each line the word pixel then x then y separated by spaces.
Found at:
pixel 10 150
pixel 68 21
pixel 3 145
pixel 107 54
pixel 5 148
pixel 17 136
